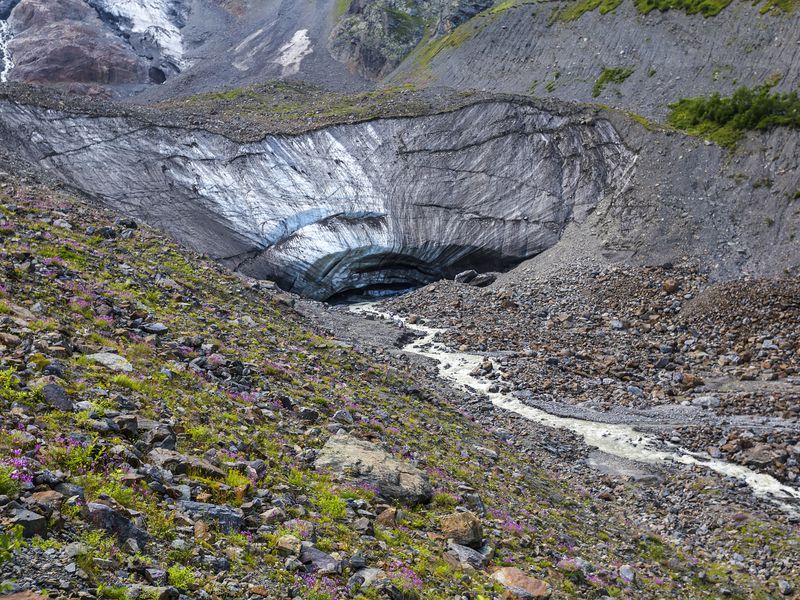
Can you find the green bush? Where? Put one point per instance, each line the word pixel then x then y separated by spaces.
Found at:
pixel 8 486
pixel 707 8
pixel 182 578
pixel 723 120
pixel 616 75
pixel 8 391
pixel 10 540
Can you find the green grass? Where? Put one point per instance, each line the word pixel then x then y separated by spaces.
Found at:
pixel 616 75
pixel 575 10
pixel 724 120
pixel 455 39
pixel 8 486
pixel 182 578
pixel 331 505
pixel 707 8
pixel 342 6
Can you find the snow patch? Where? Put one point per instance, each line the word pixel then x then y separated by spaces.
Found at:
pixel 246 55
pixel 293 52
pixel 6 63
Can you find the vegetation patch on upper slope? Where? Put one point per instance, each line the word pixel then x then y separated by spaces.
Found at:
pixel 725 119
pixel 707 8
pixel 429 48
pixel 295 107
pixel 616 75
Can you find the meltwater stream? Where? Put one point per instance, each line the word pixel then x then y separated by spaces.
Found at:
pixel 6 63
pixel 614 439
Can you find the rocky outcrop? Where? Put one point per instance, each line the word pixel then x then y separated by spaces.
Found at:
pixel 106 42
pixel 385 205
pixel 374 36
pixel 67 42
pixel 365 462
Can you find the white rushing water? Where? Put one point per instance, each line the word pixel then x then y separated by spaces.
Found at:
pixel 5 54
pixel 614 439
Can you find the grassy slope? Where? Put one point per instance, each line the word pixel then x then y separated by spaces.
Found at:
pixel 533 520
pixel 295 107
pixel 707 8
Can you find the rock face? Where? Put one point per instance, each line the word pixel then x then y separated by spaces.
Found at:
pixel 386 205
pixel 66 41
pixel 366 462
pixel 108 42
pixel 374 36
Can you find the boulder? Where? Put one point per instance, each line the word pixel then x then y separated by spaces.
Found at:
pixel 365 462
pixel 627 574
pixel 483 280
pixel 289 545
pixel 367 578
pixel 156 435
pixel 760 455
pixel 155 328
pixel 273 515
pixel 32 523
pixel 317 561
pixel 521 585
pixel 463 528
pixel 465 557
pixel 106 518
pixel 228 519
pixel 56 396
pixel 465 276
pixel 181 464
pixel 112 362
pixel 47 501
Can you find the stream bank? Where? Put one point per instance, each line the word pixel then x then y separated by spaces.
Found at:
pixel 621 440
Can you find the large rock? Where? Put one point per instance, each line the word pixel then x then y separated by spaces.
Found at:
pixel 57 397
pixel 365 462
pixel 106 518
pixel 465 557
pixel 31 523
pixel 47 501
pixel 463 528
pixel 181 464
pixel 112 362
pixel 317 561
pixel 66 41
pixel 227 518
pixel 520 584
pixel 367 578
pixel 761 455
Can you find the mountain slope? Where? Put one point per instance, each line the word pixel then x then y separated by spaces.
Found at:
pixel 217 368
pixel 551 49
